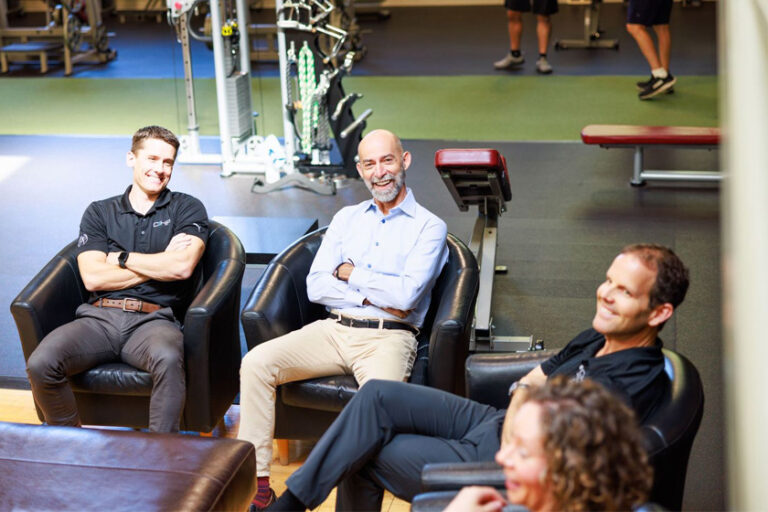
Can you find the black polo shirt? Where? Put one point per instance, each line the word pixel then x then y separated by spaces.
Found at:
pixel 112 225
pixel 635 374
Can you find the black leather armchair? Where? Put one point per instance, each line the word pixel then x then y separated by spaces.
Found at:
pixel 668 433
pixel 279 304
pixel 118 394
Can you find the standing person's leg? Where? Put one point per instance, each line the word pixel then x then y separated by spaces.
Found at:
pixel 514 29
pixel 544 9
pixel 72 348
pixel 156 345
pixel 645 43
pixel 515 10
pixel 660 25
pixel 646 13
pixel 543 31
pixel 665 44
pixel 308 352
pixel 380 411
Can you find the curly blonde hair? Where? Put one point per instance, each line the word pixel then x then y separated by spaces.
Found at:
pixel 593 445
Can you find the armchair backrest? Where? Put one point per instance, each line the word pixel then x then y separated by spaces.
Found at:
pixel 279 303
pixel 670 430
pixel 444 342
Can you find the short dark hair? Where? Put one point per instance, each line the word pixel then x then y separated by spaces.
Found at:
pixel 594 448
pixel 154 132
pixel 671 282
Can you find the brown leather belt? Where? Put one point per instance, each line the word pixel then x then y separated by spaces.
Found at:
pixel 373 323
pixel 136 305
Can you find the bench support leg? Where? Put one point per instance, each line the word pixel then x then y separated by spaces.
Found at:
pixel 637 179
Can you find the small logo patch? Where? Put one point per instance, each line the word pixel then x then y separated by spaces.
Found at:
pixel 159 223
pixel 82 240
pixel 199 228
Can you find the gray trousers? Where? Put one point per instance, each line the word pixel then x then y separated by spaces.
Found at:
pixel 151 342
pixel 384 437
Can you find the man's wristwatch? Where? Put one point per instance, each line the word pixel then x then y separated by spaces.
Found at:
pixel 122 258
pixel 517 385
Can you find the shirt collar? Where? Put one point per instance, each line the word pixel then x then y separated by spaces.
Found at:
pixel 407 205
pixel 125 203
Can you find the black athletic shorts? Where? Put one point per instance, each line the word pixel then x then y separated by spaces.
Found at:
pixel 546 7
pixel 649 12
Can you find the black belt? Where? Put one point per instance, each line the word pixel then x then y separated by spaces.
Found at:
pixel 373 323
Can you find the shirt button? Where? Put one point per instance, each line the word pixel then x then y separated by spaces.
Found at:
pixel 142 232
pixel 369 265
pixel 383 221
pixel 377 244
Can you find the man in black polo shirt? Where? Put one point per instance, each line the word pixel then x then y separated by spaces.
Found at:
pixel 136 255
pixel 390 430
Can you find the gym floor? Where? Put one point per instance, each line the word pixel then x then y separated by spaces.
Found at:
pixel 572 207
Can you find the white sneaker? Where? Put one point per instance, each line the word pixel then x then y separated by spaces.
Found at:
pixel 509 61
pixel 542 66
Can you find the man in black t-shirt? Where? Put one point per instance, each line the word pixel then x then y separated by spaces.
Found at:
pixel 390 430
pixel 136 254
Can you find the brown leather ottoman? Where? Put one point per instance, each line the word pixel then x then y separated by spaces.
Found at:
pixel 67 468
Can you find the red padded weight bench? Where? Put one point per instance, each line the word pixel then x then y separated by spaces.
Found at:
pixel 640 137
pixel 479 177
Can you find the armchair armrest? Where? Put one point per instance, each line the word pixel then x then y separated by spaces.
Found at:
pixel 211 332
pixel 454 297
pixel 49 300
pixel 490 375
pixel 455 475
pixel 211 320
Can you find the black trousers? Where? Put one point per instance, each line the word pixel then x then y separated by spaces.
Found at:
pixel 151 342
pixel 384 437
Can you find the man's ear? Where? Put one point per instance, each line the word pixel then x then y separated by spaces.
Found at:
pixel 660 314
pixel 406 159
pixel 130 159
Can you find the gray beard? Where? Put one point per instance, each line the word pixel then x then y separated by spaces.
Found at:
pixel 385 197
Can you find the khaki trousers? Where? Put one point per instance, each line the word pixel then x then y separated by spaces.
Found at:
pixel 321 348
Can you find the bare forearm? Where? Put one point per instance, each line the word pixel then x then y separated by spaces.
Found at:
pixel 101 276
pixel 177 262
pixel 534 378
pixel 161 266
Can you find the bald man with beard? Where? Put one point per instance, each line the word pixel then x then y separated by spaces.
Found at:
pixel 378 262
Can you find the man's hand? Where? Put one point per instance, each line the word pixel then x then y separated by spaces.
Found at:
pixel 179 242
pixel 344 270
pixel 399 313
pixel 477 499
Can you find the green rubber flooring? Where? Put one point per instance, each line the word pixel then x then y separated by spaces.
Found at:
pixel 469 108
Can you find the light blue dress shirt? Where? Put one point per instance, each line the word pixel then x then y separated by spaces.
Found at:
pixel 397 258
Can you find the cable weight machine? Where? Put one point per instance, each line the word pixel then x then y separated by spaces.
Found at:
pixel 315 108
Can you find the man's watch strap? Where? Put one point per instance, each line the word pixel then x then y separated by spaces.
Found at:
pixel 122 259
pixel 517 385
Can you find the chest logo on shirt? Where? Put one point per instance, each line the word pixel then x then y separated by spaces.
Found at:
pixel 159 223
pixel 581 373
pixel 82 240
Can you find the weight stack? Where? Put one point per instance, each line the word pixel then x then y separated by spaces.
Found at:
pixel 239 109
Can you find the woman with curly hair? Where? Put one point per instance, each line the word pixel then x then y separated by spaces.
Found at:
pixel 572 446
